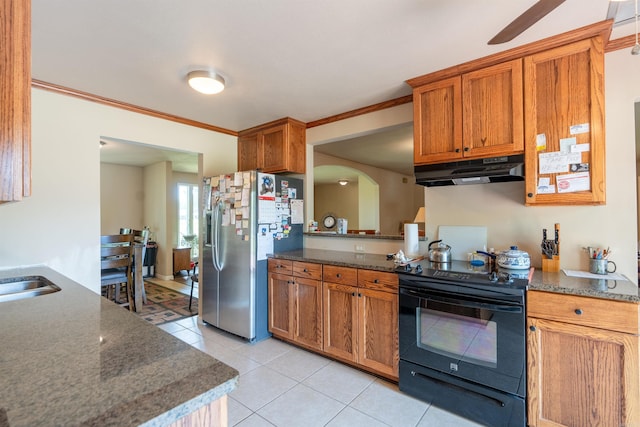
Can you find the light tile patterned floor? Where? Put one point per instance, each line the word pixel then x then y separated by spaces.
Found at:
pixel 284 386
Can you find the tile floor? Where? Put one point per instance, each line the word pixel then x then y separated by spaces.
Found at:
pixel 282 385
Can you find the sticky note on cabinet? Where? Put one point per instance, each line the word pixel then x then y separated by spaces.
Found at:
pixel 578 129
pixel 541 142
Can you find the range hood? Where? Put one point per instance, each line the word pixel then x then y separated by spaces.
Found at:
pixel 477 171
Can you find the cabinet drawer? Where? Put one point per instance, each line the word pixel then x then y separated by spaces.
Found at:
pixel 598 313
pixel 307 269
pixel 341 275
pixel 281 266
pixel 378 280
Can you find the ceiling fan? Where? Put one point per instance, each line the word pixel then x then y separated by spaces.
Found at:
pixel 524 21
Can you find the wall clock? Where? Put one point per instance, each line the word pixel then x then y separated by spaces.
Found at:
pixel 329 221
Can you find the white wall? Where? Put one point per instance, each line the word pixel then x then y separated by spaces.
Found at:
pixel 59 225
pixel 501 208
pixel 121 198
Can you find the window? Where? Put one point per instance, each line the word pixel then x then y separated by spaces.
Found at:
pixel 188 218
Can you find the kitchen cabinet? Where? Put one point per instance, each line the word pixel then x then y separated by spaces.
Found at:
pixel 564 94
pixel 582 361
pixel 361 317
pixel 15 98
pixel 274 147
pixel 295 301
pixel 471 115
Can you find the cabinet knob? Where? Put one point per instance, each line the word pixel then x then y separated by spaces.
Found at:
pixel 353 294
pixel 359 294
pixel 532 328
pixel 529 194
pixel 375 281
pixel 578 311
pixel 466 148
pixel 305 270
pixel 338 275
pixel 457 150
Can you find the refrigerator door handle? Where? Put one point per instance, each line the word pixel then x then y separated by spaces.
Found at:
pixel 215 235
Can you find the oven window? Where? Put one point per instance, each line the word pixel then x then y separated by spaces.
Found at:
pixel 468 335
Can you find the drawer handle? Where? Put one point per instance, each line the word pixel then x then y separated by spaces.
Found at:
pixel 375 281
pixel 305 270
pixel 578 311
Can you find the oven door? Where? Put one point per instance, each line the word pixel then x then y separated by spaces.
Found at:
pixel 473 337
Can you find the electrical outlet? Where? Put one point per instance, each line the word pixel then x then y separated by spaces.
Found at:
pixel 359 248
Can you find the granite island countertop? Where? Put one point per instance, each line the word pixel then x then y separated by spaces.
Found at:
pixel 74 358
pixel 623 290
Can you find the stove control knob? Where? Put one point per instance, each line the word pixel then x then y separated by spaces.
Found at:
pixel 493 277
pixel 419 269
pixel 408 267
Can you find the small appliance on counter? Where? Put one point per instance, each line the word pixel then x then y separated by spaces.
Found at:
pixel 342 226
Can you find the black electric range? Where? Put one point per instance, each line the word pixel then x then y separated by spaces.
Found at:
pixel 462 272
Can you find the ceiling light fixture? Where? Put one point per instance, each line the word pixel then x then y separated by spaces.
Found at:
pixel 207 82
pixel 636 49
pixel 343 182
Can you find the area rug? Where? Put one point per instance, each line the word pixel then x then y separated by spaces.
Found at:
pixel 166 305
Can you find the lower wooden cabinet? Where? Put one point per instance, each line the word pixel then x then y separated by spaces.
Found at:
pixel 580 374
pixel 350 314
pixel 361 317
pixel 295 301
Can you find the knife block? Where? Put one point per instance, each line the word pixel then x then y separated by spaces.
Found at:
pixel 551 265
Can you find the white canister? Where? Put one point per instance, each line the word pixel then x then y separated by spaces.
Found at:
pixel 342 226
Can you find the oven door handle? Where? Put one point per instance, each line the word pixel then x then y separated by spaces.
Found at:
pixel 504 308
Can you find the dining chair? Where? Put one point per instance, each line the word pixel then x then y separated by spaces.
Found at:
pixel 139 237
pixel 116 258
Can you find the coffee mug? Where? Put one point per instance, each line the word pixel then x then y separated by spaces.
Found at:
pixel 601 266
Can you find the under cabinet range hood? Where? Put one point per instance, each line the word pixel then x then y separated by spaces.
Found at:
pixel 476 171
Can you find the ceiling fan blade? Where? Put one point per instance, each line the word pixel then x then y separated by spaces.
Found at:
pixel 524 21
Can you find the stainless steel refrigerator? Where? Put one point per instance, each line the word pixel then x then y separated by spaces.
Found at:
pixel 248 215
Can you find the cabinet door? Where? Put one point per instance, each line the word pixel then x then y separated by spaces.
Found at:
pixel 564 96
pixel 492 110
pixel 340 321
pixel 378 331
pixel 581 376
pixel 280 305
pixel 437 121
pixel 272 148
pixel 248 152
pixel 15 98
pixel 307 312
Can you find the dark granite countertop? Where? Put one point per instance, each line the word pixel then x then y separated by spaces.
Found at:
pixel 74 358
pixel 342 258
pixel 541 281
pixel 623 290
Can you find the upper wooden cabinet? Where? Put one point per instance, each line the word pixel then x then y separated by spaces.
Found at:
pixel 564 125
pixel 274 147
pixel 472 115
pixel 15 98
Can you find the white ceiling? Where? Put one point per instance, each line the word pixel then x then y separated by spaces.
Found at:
pixel 300 58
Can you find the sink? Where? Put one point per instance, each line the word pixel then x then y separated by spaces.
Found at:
pixel 16 288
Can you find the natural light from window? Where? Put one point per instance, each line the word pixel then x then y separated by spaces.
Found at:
pixel 188 218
